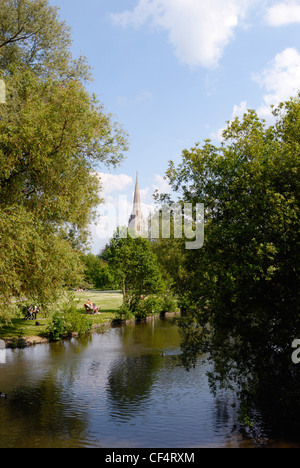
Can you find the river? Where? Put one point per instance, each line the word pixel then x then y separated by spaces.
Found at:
pixel 121 388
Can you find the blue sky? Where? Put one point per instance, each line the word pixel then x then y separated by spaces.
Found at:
pixel 172 72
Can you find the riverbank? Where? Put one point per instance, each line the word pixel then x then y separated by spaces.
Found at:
pixel 22 333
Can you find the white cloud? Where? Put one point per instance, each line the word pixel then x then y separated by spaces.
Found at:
pixel 161 184
pixel 115 210
pixel 199 31
pixel 284 13
pixel 280 80
pixel 217 136
pixel 239 111
pixel 112 183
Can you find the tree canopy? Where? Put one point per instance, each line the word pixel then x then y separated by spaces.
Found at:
pixel 32 36
pixel 54 137
pixel 97 273
pixel 243 285
pixel 135 266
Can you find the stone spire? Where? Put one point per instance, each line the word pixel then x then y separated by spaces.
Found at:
pixel 136 220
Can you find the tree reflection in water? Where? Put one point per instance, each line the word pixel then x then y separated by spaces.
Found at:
pixel 129 384
pixel 42 415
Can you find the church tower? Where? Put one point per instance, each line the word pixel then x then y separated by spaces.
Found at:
pixel 136 220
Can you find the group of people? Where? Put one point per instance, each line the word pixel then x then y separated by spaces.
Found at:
pixel 91 308
pixel 31 312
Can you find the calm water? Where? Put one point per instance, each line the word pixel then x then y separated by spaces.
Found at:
pixel 119 389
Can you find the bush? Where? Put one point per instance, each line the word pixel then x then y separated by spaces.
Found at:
pixel 151 305
pixel 57 329
pixel 154 305
pixel 169 304
pixel 68 320
pixel 124 313
pixel 75 321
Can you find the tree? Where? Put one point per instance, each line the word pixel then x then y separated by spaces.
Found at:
pixel 170 254
pixel 32 36
pixel 243 286
pixel 54 137
pixel 136 267
pixel 98 273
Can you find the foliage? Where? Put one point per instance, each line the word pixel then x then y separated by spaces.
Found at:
pixel 150 305
pixel 67 320
pixel 168 304
pixel 135 266
pixel 124 313
pixel 97 273
pixel 34 262
pixel 243 285
pixel 156 305
pixel 19 342
pixel 32 36
pixel 53 138
pixel 170 254
pixel 56 328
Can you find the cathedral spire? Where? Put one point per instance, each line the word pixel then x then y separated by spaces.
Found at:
pixel 136 220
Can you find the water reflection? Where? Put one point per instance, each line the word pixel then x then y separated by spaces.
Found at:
pixel 129 385
pixel 118 389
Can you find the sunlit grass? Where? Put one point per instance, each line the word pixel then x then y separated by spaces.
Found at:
pixel 107 301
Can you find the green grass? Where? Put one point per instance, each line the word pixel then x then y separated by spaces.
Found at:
pixel 23 328
pixel 108 301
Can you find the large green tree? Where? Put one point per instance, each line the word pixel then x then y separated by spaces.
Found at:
pixel 135 266
pixel 32 36
pixel 97 272
pixel 243 285
pixel 54 137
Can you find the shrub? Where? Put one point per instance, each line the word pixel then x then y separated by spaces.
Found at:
pixel 56 328
pixel 124 313
pixel 68 320
pixel 151 305
pixel 168 304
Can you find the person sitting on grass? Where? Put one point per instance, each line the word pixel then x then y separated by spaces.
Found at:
pixel 91 308
pixel 88 306
pixel 95 309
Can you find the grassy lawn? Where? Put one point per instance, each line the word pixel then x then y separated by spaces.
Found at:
pixel 108 301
